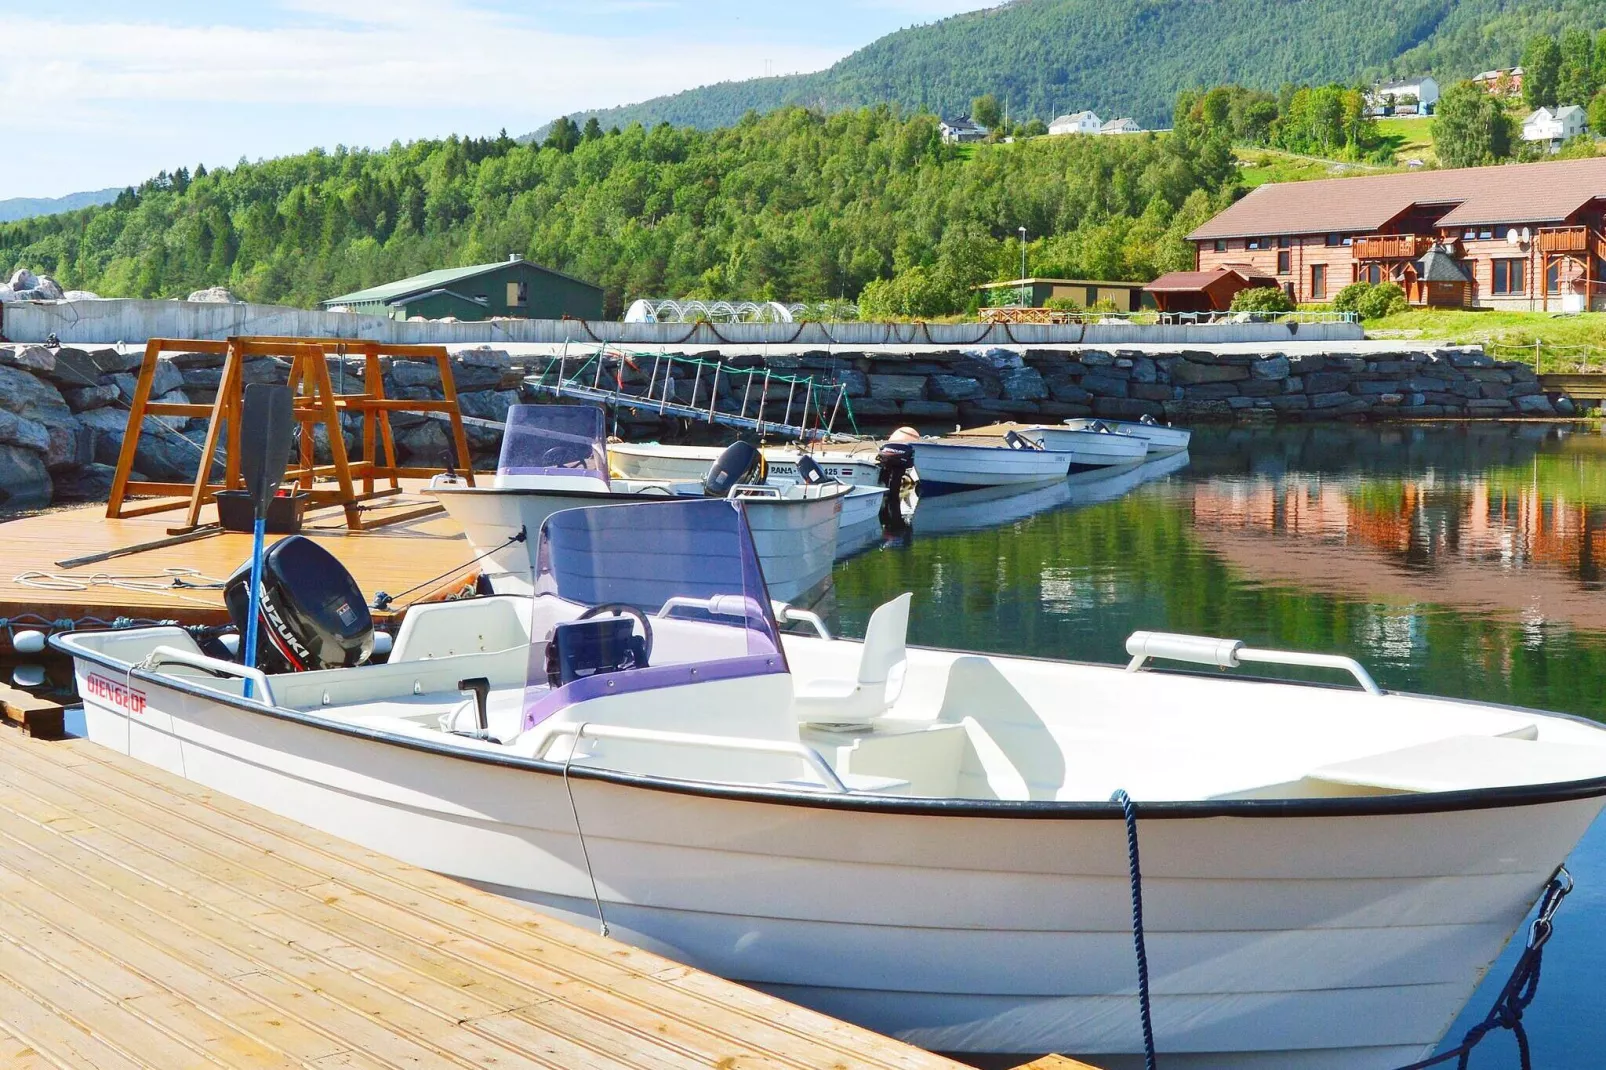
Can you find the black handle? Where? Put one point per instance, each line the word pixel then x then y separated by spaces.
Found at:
pixel 482 690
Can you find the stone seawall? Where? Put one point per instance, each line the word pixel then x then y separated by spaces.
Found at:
pixel 63 412
pixel 979 386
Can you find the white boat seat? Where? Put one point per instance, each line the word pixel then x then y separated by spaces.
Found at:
pixel 1466 762
pixel 843 703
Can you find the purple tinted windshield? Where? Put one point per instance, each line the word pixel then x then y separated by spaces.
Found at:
pixel 554 440
pixel 690 566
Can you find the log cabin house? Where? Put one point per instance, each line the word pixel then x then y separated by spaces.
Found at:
pixel 1514 236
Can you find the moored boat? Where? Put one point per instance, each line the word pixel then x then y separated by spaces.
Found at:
pixel 1160 438
pixel 1089 448
pixel 919 840
pixel 555 457
pixel 949 466
pixel 991 507
pixel 654 460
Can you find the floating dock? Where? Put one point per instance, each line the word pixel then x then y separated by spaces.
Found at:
pixel 146 922
pixel 175 578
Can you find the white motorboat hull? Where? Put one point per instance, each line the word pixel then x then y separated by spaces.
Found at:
pixel 991 507
pixel 1160 439
pixel 948 467
pixel 1089 449
pixel 1293 937
pixel 652 460
pixel 795 537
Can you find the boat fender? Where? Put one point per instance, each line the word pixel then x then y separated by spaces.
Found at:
pixel 1199 649
pixel 741 463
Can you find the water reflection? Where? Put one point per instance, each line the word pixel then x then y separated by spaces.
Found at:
pixel 1458 559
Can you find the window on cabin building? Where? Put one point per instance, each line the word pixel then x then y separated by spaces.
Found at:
pixel 1284 263
pixel 1485 234
pixel 1334 240
pixel 1318 282
pixel 1508 277
pixel 1372 273
pixel 1282 241
pixel 1469 234
pixel 1221 245
pixel 1553 278
pixel 1252 243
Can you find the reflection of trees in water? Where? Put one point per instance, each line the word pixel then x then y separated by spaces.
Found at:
pixel 1075 583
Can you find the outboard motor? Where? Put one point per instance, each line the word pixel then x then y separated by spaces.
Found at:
pixel 896 460
pixel 810 472
pixel 1148 418
pixel 313 613
pixel 740 463
pixel 1017 441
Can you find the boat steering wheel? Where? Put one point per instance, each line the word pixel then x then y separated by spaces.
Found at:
pixel 619 608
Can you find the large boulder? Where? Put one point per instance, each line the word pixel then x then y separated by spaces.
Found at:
pixel 19 431
pixel 214 295
pixel 163 454
pixel 71 444
pixel 80 295
pixel 91 483
pixel 24 482
pixel 48 289
pixel 28 358
pixel 30 397
pixel 1188 371
pixel 23 279
pixel 7 294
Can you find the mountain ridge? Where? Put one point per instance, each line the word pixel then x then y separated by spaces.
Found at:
pixel 1131 57
pixel 14 208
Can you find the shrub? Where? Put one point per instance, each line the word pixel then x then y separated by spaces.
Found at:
pixel 1384 299
pixel 1262 299
pixel 1063 304
pixel 1348 299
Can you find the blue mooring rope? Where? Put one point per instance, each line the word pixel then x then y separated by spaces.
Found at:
pixel 1129 811
pixel 1516 995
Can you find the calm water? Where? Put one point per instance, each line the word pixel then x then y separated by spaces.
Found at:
pixel 1456 560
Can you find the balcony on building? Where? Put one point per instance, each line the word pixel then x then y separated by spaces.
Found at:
pixel 1563 239
pixel 1391 246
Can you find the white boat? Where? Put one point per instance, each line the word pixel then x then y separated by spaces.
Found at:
pixel 654 460
pixel 945 467
pixel 1160 438
pixel 991 507
pixel 1089 448
pixel 555 457
pixel 921 841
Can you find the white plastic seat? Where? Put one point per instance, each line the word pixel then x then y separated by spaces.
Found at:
pixel 857 702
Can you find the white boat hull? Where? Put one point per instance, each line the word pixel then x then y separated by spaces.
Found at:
pixel 1305 942
pixel 947 467
pixel 1089 449
pixel 654 460
pixel 795 538
pixel 991 507
pixel 1159 438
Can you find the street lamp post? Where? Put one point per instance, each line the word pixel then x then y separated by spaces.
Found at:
pixel 1024 300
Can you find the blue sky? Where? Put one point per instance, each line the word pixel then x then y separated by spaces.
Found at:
pixel 105 94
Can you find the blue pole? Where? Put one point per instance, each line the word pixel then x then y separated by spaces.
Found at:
pixel 258 538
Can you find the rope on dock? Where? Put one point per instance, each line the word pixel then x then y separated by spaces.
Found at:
pixel 170 581
pixel 1514 998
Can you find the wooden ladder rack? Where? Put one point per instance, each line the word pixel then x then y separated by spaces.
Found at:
pixel 316 403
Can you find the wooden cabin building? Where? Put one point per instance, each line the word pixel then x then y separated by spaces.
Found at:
pixel 510 289
pixel 1515 236
pixel 1210 290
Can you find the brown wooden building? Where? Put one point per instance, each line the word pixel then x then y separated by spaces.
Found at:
pixel 1520 236
pixel 1211 290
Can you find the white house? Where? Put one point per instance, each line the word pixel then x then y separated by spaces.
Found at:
pixel 1121 126
pixel 1413 96
pixel 1082 122
pixel 962 129
pixel 1555 126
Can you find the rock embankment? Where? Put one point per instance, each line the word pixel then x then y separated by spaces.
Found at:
pixel 979 386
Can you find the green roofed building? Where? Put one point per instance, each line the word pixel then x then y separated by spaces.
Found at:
pixel 513 288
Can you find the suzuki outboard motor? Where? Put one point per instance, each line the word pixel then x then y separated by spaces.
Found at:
pixel 313 613
pixel 740 463
pixel 896 460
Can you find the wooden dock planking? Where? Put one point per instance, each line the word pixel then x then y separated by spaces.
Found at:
pixel 146 922
pixel 42 718
pixel 391 558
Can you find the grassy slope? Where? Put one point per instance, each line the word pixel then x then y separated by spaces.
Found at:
pixel 1509 335
pixel 1410 139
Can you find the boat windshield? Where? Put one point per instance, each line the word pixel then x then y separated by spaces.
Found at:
pixel 554 440
pixel 688 567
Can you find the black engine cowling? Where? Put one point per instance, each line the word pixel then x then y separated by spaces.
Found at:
pixel 740 463
pixel 810 472
pixel 313 613
pixel 896 460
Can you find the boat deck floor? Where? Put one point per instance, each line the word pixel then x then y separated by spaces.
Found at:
pixel 34 585
pixel 146 922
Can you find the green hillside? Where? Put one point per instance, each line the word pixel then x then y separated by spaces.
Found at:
pixel 791 205
pixel 1131 57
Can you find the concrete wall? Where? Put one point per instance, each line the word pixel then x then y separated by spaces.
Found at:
pixel 105 322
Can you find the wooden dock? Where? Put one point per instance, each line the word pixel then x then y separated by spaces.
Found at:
pixel 146 922
pixel 170 582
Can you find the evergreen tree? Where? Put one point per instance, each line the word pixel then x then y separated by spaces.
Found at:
pixel 1576 80
pixel 592 131
pixel 1470 127
pixel 1541 72
pixel 564 136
